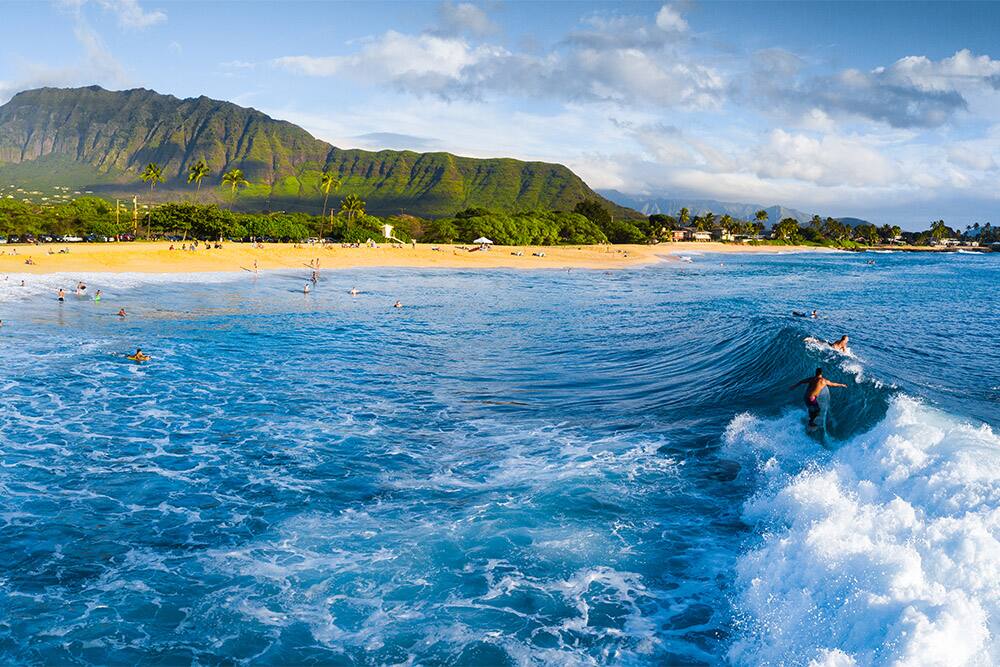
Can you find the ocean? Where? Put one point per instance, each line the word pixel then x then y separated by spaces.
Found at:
pixel 516 468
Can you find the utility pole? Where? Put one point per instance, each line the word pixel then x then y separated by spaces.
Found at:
pixel 135 215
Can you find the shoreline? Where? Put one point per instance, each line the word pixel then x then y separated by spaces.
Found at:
pixel 156 257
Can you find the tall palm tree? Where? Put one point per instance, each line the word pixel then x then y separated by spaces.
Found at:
pixel 326 183
pixel 152 174
pixel 352 206
pixel 196 172
pixel 234 179
pixel 684 216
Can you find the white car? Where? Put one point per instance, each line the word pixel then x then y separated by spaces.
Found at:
pixel 72 239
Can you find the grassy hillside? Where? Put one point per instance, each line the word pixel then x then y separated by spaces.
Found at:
pixel 94 139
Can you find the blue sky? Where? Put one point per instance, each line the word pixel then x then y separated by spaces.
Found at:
pixel 889 111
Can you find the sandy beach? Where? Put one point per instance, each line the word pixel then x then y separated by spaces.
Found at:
pixel 156 257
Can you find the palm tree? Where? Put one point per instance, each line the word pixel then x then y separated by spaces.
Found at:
pixel 326 183
pixel 684 216
pixel 152 174
pixel 352 206
pixel 196 172
pixel 234 179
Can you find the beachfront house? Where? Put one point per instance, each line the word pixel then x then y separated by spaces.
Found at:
pixel 721 234
pixel 701 236
pixel 683 234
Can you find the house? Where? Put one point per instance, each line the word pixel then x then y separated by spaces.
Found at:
pixel 720 234
pixel 701 236
pixel 680 235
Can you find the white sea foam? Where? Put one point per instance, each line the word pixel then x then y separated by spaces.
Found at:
pixel 47 284
pixel 884 552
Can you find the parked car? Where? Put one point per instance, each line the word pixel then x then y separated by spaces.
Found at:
pixel 71 239
pixel 3 239
pixel 45 238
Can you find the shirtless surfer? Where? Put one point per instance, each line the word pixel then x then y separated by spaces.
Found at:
pixel 840 345
pixel 814 385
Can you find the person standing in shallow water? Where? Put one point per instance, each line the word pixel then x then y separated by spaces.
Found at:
pixel 814 385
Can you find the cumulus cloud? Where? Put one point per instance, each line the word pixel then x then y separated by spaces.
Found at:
pixel 464 18
pixel 913 92
pixel 617 59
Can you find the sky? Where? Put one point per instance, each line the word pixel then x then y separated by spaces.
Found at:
pixel 886 111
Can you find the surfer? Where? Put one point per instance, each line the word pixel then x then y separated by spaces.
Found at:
pixel 398 304
pixel 814 385
pixel 139 355
pixel 840 345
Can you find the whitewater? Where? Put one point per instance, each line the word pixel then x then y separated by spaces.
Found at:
pixel 562 467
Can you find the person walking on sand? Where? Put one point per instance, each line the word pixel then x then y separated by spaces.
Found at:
pixel 814 385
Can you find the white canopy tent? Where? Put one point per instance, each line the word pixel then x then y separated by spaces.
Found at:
pixel 482 240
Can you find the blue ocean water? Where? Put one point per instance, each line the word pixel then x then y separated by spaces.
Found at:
pixel 562 467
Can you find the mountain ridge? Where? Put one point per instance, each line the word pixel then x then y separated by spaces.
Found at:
pixel 107 137
pixel 650 205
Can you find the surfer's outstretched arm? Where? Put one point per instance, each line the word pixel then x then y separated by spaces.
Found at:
pixel 834 384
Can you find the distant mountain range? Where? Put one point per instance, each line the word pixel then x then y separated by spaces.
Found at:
pixel 100 140
pixel 671 206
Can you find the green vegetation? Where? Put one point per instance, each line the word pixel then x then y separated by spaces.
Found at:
pixel 284 164
pixel 588 223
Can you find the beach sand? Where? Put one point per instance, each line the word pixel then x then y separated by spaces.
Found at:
pixel 156 257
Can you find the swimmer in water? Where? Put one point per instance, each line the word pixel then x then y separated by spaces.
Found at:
pixel 355 291
pixel 139 356
pixel 121 312
pixel 80 288
pixel 97 295
pixel 305 289
pixel 62 294
pixel 814 385
pixel 398 304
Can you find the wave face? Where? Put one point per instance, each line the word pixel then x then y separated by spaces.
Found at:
pixel 571 468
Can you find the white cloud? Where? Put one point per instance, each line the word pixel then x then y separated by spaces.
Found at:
pixel 669 19
pixel 595 65
pixel 465 18
pixel 131 15
pixel 829 160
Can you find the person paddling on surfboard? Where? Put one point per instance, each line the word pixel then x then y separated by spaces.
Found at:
pixel 814 385
pixel 139 355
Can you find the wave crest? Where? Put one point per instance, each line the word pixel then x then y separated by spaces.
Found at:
pixel 883 552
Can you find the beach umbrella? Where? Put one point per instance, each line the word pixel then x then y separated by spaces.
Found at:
pixel 482 240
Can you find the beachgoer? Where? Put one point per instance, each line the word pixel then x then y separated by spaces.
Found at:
pixel 22 283
pixel 354 291
pixel 314 278
pixel 305 289
pixel 840 345
pixel 814 385
pixel 139 356
pixel 398 304
pixel 97 295
pixel 121 312
pixel 62 294
pixel 815 314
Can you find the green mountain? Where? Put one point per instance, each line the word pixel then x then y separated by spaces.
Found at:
pixel 99 140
